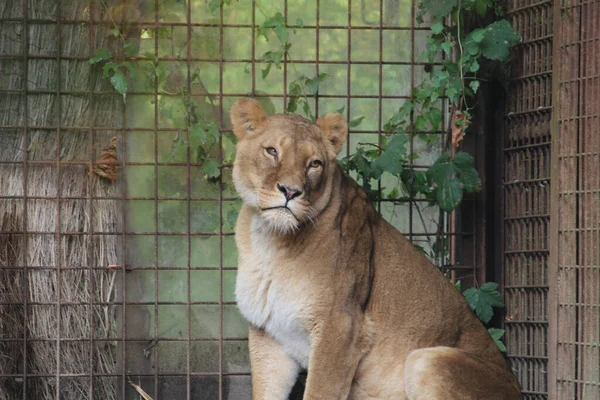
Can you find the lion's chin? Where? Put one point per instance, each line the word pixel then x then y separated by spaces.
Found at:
pixel 281 221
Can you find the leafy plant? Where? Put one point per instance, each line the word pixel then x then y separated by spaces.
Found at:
pixel 115 71
pixel 482 301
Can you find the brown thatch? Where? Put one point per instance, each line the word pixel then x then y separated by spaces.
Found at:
pixel 29 266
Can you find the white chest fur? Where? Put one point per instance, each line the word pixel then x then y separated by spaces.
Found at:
pixel 277 305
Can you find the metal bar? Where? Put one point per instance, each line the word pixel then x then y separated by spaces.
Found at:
pixel 188 367
pixel 25 189
pixel 57 237
pixel 156 210
pixel 220 155
pixel 153 24
pixel 89 196
pixel 197 59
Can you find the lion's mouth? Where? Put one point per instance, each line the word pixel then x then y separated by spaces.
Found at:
pixel 282 208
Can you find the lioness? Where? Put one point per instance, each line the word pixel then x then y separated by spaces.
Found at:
pixel 330 286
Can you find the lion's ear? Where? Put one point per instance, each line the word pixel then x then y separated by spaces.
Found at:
pixel 246 115
pixel 335 129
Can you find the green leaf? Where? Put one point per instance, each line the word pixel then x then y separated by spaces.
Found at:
pixel 496 43
pixel 437 28
pixel 481 6
pixel 211 168
pixel 420 249
pixel 483 300
pixel 474 67
pixel 477 35
pixel 292 105
pixel 439 8
pixel 447 47
pixel 463 162
pixel 214 6
pixel 435 118
pixel 299 22
pixel 355 122
pixel 341 110
pixel 307 111
pixel 129 49
pixel 282 33
pixel 458 285
pixel 100 55
pixel 474 85
pixel 108 68
pixel 420 123
pixel 447 188
pixel 449 195
pixel 497 335
pixel 119 82
pixel 393 158
pixel 265 71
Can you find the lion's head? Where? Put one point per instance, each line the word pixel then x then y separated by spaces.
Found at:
pixel 285 164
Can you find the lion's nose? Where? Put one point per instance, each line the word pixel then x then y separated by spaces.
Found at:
pixel 288 192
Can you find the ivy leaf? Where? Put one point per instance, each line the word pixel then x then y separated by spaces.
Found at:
pixel 100 55
pixel 481 6
pixel 392 158
pixel 474 85
pixel 437 28
pixel 129 49
pixel 307 111
pixel 483 300
pixel 119 82
pixel 420 123
pixel 265 71
pixel 435 117
pixel 463 162
pixel 497 335
pixel 281 32
pixel 448 190
pixel 477 35
pixel 439 8
pixel 449 195
pixel 292 105
pixel 458 285
pixel 211 168
pixel 355 122
pixel 214 5
pixel 496 43
pixel 108 68
pixel 420 249
pixel 447 47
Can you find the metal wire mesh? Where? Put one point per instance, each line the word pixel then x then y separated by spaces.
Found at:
pixel 526 184
pixel 133 277
pixel 577 202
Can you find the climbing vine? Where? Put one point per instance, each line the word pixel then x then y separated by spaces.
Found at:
pixel 461 47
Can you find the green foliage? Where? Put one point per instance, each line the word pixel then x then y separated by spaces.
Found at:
pixel 483 299
pixel 117 72
pixel 497 335
pixel 450 177
pixel 446 181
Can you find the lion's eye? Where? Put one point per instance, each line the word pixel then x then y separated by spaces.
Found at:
pixel 316 163
pixel 272 152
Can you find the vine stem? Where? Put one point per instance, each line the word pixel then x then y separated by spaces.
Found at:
pixel 286 52
pixel 460 57
pixel 113 21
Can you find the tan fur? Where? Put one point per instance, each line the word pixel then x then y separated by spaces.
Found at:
pixel 328 285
